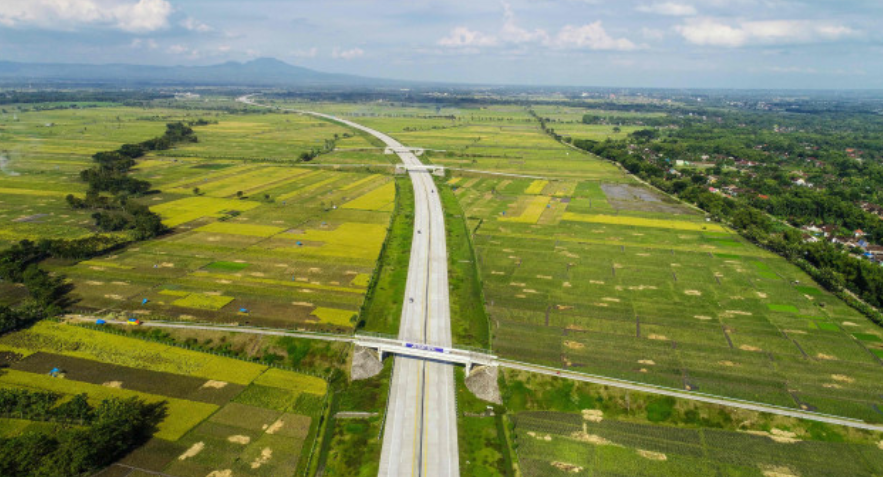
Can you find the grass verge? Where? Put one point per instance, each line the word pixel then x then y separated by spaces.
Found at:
pixel 383 302
pixel 469 320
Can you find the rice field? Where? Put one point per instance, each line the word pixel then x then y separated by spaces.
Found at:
pixel 558 444
pixel 267 262
pixel 536 187
pixel 503 138
pixel 643 222
pixel 255 237
pixel 633 286
pixel 528 211
pixel 208 428
pixel 382 198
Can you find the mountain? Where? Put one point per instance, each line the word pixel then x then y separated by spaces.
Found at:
pixel 259 72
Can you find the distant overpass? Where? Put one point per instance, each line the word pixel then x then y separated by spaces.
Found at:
pixel 437 170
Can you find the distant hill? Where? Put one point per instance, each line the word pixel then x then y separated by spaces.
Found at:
pixel 259 72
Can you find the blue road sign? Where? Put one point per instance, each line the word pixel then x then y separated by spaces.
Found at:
pixel 424 347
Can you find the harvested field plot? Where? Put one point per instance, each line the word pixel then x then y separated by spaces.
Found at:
pixel 204 429
pixel 671 300
pixel 553 443
pixel 310 245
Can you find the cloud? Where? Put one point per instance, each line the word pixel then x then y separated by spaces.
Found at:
pixel 193 24
pixel 591 36
pixel 136 17
pixel 792 69
pixel 148 43
pixel 669 8
pixel 711 32
pixel 308 53
pixel 178 49
pixel 347 54
pixel 513 33
pixel 463 37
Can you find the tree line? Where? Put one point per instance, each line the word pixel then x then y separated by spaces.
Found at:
pixel 103 433
pixel 111 175
pixel 47 294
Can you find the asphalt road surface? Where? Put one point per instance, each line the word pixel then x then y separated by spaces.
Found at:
pixel 420 433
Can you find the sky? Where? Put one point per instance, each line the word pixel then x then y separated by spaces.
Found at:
pixel 796 44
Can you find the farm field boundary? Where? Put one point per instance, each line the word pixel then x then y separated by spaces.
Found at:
pixel 549 371
pixel 693 396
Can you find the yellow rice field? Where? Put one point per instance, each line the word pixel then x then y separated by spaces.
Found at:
pixel 381 198
pixel 361 280
pixel 535 208
pixel 31 192
pixel 360 182
pixel 247 182
pixel 355 240
pixel 644 222
pixel 203 302
pixel 181 211
pixel 334 316
pixel 536 187
pixel 309 188
pixel 241 229
pixel 291 381
pixel 80 342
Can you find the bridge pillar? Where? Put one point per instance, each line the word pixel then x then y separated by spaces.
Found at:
pixel 468 368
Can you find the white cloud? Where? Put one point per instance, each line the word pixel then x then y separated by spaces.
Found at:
pixel 347 54
pixel 669 8
pixel 137 17
pixel 193 24
pixel 591 36
pixel 308 53
pixel 463 37
pixel 178 49
pixel 513 33
pixel 711 32
pixel 148 43
pixel 792 69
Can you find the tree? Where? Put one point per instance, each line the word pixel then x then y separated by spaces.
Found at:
pixel 196 191
pixel 239 194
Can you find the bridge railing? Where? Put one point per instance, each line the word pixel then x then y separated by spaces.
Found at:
pixel 386 336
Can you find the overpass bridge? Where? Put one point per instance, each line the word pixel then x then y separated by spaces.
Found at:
pixel 470 358
pixel 435 170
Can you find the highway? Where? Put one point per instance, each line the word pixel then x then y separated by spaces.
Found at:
pixel 420 430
